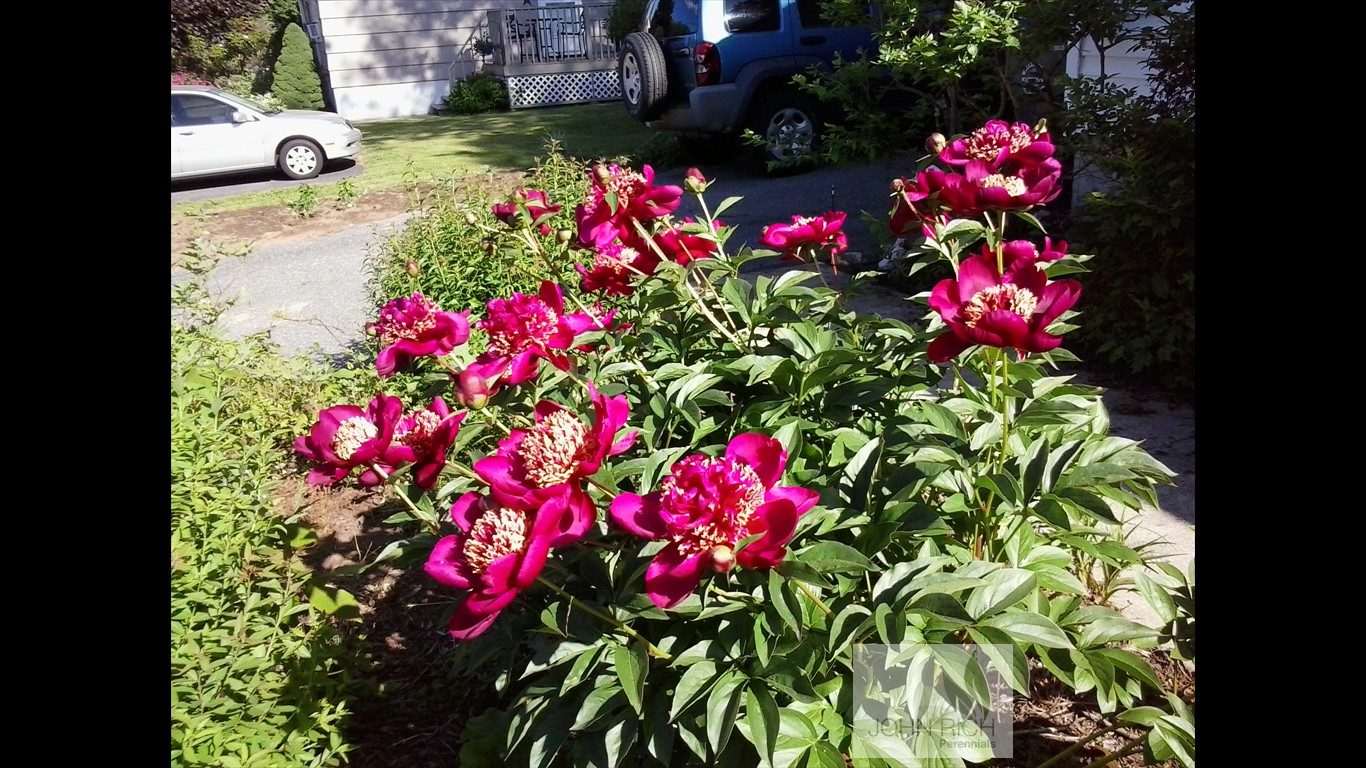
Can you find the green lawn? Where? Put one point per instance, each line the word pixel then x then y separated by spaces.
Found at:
pixel 429 148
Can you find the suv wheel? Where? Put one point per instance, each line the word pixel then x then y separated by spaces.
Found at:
pixel 644 80
pixel 787 123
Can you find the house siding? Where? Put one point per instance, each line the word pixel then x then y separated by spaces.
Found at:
pixel 1123 65
pixel 396 58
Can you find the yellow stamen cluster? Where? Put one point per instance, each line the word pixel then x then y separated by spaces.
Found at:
pixel 537 326
pixel 495 534
pixel 420 426
pixel 726 518
pixel 1013 185
pixel 1009 297
pixel 552 450
pixel 351 435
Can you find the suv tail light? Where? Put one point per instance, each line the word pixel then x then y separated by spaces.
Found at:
pixel 707 64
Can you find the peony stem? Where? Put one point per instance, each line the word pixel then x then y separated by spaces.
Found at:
pixel 611 494
pixel 433 525
pixel 491 419
pixel 701 305
pixel 819 604
pixel 1077 746
pixel 574 601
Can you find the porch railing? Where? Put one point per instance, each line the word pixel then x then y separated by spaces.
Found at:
pixel 549 35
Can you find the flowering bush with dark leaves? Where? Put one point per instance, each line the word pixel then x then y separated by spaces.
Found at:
pixel 677 536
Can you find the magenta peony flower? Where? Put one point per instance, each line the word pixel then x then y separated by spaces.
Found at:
pixel 345 437
pixel 706 506
pixel 914 203
pixel 614 268
pixel 421 438
pixel 498 552
pixel 552 459
pixel 522 331
pixel 1004 147
pixel 984 306
pixel 637 199
pixel 978 189
pixel 683 247
pixel 807 232
pixel 533 201
pixel 416 327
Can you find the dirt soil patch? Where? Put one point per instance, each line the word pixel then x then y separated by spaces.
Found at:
pixel 272 225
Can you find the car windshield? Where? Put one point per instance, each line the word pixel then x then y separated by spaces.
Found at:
pixel 234 98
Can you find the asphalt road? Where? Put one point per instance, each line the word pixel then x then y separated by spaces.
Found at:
pixel 314 291
pixel 213 187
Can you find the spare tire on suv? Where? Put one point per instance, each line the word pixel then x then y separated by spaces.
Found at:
pixel 644 81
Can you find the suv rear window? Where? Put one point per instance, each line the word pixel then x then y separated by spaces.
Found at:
pixel 673 18
pixel 752 15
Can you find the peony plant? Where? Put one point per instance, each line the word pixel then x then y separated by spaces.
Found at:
pixel 676 538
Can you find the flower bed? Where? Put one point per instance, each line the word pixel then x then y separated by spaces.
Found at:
pixel 695 518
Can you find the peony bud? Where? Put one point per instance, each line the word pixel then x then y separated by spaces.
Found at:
pixel 601 175
pixel 898 185
pixel 936 143
pixel 564 235
pixel 471 390
pixel 490 247
pixel 412 268
pixel 471 219
pixel 722 558
pixel 695 182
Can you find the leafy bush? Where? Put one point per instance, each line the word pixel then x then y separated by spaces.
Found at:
pixel 457 252
pixel 624 18
pixel 297 83
pixel 686 501
pixel 480 92
pixel 212 38
pixel 1143 317
pixel 258 677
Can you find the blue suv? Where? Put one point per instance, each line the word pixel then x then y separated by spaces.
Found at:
pixel 708 70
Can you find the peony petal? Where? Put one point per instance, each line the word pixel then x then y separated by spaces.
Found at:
pixel 465 624
pixel 466 510
pixel 802 498
pixel 1057 298
pixel 765 455
pixel 945 347
pixel 671 577
pixel 497 471
pixel 443 562
pixel 639 515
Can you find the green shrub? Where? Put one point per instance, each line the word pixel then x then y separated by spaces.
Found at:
pixel 937 484
pixel 624 18
pixel 480 92
pixel 463 255
pixel 1141 316
pixel 258 674
pixel 297 83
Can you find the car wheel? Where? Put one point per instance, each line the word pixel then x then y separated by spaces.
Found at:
pixel 644 80
pixel 786 121
pixel 301 159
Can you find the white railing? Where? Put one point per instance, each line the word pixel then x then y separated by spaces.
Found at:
pixel 553 34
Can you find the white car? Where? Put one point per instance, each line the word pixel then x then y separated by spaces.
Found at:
pixel 215 132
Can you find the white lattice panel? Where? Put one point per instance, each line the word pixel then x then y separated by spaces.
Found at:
pixel 562 88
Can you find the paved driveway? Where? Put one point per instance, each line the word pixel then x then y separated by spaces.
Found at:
pixel 214 187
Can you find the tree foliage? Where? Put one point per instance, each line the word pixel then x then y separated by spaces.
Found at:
pixel 297 83
pixel 207 20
